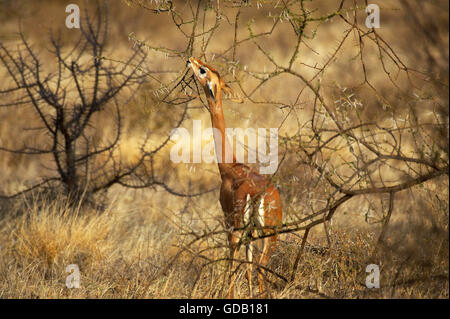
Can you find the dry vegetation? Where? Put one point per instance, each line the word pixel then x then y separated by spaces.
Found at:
pixel 363 174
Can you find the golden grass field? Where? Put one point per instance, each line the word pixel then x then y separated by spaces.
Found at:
pixel 131 247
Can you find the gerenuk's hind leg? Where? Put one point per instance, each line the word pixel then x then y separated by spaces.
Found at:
pixel 233 240
pixel 269 244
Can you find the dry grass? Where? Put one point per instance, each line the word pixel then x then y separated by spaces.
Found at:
pixel 129 252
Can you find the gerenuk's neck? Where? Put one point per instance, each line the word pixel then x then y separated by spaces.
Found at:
pixel 224 151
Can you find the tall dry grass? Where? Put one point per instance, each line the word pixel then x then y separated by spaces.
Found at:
pixel 133 252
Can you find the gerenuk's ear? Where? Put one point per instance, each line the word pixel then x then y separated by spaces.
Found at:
pixel 230 93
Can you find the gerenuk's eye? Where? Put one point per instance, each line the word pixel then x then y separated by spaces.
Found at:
pixel 202 71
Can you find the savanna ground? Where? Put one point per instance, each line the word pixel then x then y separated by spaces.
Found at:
pixel 363 151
